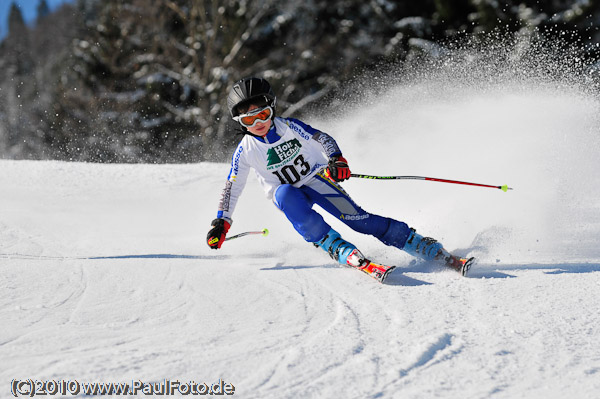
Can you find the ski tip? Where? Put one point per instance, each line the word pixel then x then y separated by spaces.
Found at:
pixel 467 266
pixel 386 274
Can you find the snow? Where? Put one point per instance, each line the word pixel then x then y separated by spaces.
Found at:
pixel 106 276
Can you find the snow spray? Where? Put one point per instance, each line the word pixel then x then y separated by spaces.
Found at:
pixel 516 110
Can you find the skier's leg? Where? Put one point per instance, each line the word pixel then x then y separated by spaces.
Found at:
pixel 430 249
pixel 348 255
pixel 297 207
pixel 339 249
pixel 331 197
pixel 424 247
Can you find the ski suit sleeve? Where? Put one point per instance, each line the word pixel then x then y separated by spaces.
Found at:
pixel 236 181
pixel 330 147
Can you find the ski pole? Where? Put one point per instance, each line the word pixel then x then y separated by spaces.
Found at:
pixel 503 188
pixel 263 232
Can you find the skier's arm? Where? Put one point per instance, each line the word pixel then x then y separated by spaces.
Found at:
pixel 234 186
pixel 328 143
pixel 330 147
pixel 236 181
pixel 337 169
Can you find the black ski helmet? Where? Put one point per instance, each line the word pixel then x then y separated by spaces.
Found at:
pixel 246 90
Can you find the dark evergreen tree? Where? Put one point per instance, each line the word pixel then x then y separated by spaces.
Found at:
pixel 146 80
pixel 42 9
pixel 16 23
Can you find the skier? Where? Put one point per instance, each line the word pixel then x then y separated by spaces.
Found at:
pixel 299 166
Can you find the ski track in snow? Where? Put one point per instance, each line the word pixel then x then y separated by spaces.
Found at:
pixel 105 275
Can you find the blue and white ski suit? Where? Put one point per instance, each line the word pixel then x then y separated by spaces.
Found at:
pixel 289 162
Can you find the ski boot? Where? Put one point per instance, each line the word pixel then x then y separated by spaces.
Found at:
pixel 431 250
pixel 347 254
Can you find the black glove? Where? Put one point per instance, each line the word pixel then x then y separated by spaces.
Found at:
pixel 216 235
pixel 338 169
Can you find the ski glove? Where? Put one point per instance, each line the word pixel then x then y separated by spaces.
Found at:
pixel 338 169
pixel 216 235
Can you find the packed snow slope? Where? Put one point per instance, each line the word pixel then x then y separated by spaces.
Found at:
pixel 105 275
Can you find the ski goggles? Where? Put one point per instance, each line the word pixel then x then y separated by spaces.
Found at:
pixel 250 119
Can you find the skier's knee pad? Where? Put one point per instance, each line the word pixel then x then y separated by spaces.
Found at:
pixel 396 234
pixel 423 247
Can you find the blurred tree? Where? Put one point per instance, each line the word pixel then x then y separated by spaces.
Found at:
pixel 147 80
pixel 16 65
pixel 42 9
pixel 31 63
pixel 20 57
pixel 154 73
pixel 16 23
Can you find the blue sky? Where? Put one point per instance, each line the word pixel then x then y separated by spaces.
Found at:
pixel 28 9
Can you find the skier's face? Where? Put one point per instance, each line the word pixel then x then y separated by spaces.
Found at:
pixel 261 128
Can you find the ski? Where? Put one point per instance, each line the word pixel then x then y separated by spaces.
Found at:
pixel 461 265
pixel 378 272
pixel 467 265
